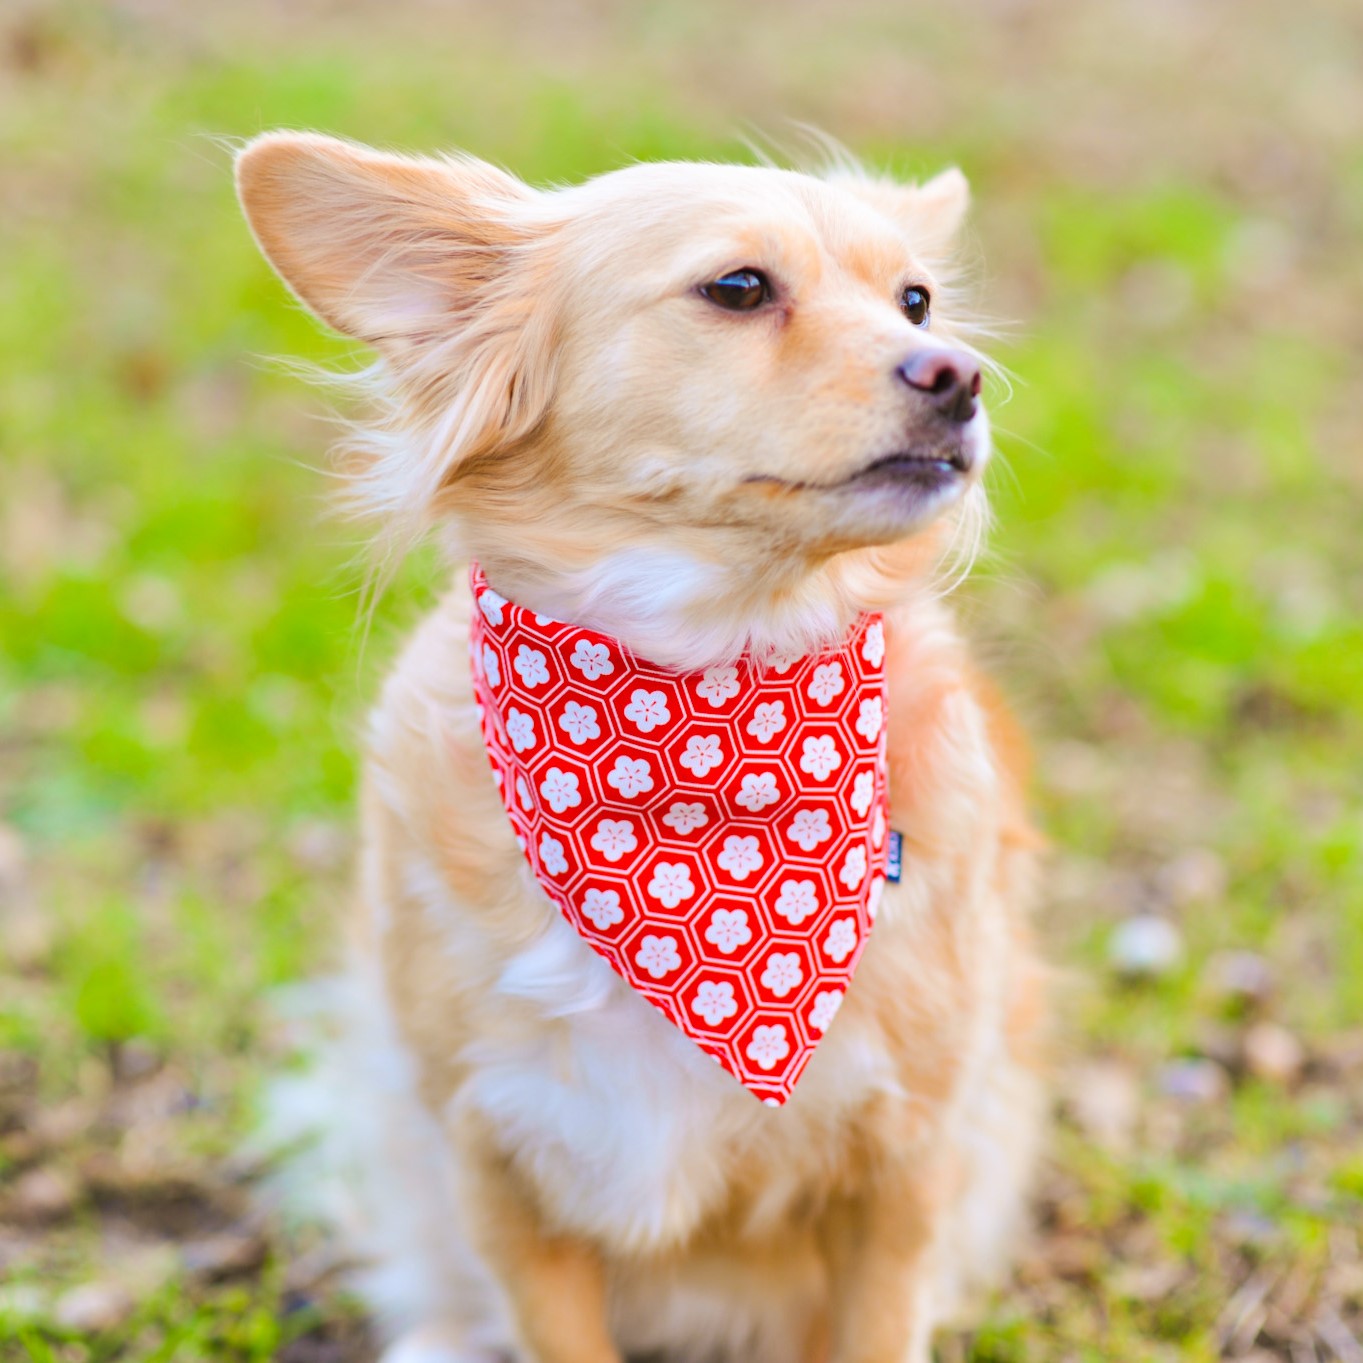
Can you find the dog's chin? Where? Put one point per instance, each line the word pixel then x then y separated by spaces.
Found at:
pixel 886 508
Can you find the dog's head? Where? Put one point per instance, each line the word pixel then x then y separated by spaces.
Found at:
pixel 686 385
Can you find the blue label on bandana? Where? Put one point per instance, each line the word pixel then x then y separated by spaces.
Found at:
pixel 894 860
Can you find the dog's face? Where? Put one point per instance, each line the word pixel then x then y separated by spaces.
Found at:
pixel 756 348
pixel 725 365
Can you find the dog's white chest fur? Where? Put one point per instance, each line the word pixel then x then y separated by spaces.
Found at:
pixel 627 1129
pixel 616 1115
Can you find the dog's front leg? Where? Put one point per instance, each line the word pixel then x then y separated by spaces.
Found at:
pixel 877 1246
pixel 554 1283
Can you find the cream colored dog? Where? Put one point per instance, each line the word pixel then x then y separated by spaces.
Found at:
pixel 704 409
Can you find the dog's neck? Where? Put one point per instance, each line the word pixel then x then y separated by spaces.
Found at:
pixel 683 612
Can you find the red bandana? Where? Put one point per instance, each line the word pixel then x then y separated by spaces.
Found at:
pixel 718 836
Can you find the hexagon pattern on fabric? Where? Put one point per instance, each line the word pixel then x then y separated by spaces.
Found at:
pixel 718 836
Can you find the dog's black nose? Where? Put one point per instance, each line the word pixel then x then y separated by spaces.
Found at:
pixel 949 378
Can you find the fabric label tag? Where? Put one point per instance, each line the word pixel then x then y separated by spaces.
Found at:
pixel 895 861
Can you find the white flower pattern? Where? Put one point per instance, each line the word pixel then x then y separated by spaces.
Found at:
pixel 741 856
pixel 728 930
pixel 782 973
pixel 863 792
pixel 718 684
pixel 819 756
pixel 873 645
pixel 797 901
pixel 579 722
pixel 520 729
pixel 592 660
pixel 768 719
pixel 492 669
pixel 602 908
pixel 551 855
pixel 809 828
pixel 826 1005
pixel 560 789
pixel 614 838
pixel 647 710
pixel 671 883
pixel 768 1046
pixel 870 716
pixel 758 791
pixel 841 941
pixel 714 1001
pixel 873 897
pixel 853 868
pixel 684 817
pixel 631 776
pixel 491 605
pixel 658 956
pixel 702 754
pixel 532 665
pixel 826 683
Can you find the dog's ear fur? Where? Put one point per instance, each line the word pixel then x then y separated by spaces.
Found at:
pixel 931 214
pixel 430 261
pixel 383 248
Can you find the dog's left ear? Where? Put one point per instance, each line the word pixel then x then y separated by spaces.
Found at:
pixel 931 214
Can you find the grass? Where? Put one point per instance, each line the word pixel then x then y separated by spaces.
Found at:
pixel 1174 598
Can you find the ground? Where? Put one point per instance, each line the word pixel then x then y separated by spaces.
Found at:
pixel 1170 209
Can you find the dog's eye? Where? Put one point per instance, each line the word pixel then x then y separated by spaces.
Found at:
pixel 741 291
pixel 916 303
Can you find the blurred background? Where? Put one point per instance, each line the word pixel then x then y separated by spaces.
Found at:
pixel 1170 218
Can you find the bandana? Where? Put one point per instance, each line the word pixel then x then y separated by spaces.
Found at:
pixel 718 836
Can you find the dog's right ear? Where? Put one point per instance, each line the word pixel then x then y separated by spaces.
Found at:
pixel 387 249
pixel 432 262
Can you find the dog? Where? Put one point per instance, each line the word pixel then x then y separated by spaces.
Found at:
pixel 720 425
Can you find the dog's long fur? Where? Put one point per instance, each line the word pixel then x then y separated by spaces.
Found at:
pixel 536 1165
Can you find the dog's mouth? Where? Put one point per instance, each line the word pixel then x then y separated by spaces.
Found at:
pixel 922 471
pixel 926 469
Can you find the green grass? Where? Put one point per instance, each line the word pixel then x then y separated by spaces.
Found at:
pixel 1174 596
